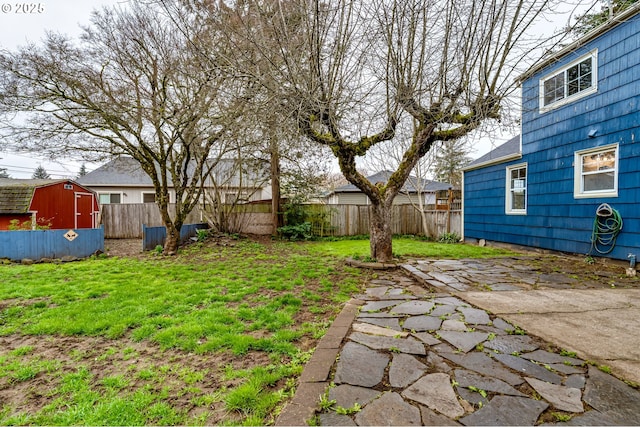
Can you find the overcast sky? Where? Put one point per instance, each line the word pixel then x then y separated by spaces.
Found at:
pixel 19 26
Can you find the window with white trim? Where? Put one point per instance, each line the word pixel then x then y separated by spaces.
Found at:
pixel 109 198
pixel 596 172
pixel 578 79
pixel 516 196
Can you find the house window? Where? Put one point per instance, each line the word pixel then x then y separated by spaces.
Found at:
pixel 596 172
pixel 576 80
pixel 109 198
pixel 516 189
pixel 148 197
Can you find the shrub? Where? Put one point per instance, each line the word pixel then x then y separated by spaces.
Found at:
pixel 296 232
pixel 449 238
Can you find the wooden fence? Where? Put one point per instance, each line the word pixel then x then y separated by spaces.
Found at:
pixel 54 244
pixel 124 221
pixel 353 220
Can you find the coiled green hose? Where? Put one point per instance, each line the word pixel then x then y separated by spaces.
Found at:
pixel 606 227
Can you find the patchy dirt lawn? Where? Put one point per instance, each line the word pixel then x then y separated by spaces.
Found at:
pixel 192 383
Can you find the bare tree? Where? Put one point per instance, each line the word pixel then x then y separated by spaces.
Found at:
pixel 134 85
pixel 355 73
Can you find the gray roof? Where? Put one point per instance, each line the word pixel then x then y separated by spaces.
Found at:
pixel 121 171
pixel 16 194
pixel 410 186
pixel 127 172
pixel 507 151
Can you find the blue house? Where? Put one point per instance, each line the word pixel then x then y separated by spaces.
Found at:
pixel 577 161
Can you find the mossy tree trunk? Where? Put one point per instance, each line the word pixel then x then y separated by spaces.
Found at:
pixel 380 241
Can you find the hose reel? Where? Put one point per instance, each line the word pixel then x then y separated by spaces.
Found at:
pixel 606 227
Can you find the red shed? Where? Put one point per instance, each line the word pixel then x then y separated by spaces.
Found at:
pixel 58 204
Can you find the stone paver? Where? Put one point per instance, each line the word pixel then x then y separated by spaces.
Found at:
pixel 378 330
pixel 467 379
pixel 389 410
pixel 404 370
pixel 404 345
pixel 413 307
pixel 612 397
pixel 351 369
pixel 464 341
pixel 388 322
pixel 506 411
pixel 435 392
pixel 422 323
pixel 346 396
pixel 528 368
pixel 412 356
pixel 511 344
pixel 563 398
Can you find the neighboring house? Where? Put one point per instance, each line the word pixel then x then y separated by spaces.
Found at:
pixel 412 190
pixel 578 150
pixel 122 180
pixel 56 204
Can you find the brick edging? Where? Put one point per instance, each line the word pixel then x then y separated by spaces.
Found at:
pixel 315 376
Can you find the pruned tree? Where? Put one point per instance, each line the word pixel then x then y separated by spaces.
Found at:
pixel 40 173
pixel 134 85
pixel 354 73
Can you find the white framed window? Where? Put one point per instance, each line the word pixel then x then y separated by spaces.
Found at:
pixel 516 197
pixel 596 172
pixel 109 198
pixel 576 80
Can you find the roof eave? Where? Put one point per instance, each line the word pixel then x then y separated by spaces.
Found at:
pixel 495 161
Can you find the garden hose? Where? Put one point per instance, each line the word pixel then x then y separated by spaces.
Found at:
pixel 606 227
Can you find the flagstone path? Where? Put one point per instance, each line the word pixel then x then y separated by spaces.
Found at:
pixel 414 357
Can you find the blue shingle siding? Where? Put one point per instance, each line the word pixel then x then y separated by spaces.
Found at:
pixel 555 219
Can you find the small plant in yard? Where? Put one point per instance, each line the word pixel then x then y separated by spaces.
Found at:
pixel 604 368
pixel 202 234
pixel 296 232
pixel 449 238
pixel 480 391
pixel 326 403
pixel 348 411
pixel 563 418
pixel 516 331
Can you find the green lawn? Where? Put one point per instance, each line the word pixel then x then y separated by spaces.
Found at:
pixel 215 335
pixel 406 247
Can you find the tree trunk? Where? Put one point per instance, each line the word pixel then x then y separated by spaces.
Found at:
pixel 275 187
pixel 380 229
pixel 173 239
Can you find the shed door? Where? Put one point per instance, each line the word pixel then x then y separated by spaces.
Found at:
pixel 84 210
